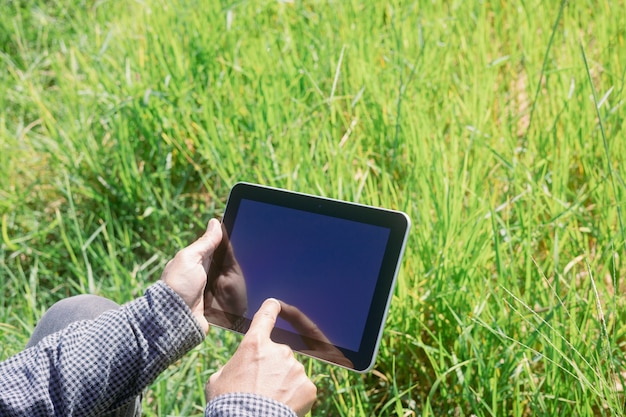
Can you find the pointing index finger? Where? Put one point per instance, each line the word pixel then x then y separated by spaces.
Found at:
pixel 265 318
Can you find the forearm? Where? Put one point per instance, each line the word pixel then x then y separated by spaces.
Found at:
pixel 94 365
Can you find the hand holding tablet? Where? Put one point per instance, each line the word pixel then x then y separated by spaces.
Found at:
pixel 332 265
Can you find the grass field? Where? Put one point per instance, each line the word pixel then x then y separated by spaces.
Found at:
pixel 497 126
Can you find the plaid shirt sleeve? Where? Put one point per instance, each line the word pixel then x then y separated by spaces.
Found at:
pixel 246 405
pixel 91 366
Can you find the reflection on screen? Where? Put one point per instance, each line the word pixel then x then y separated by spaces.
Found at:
pixel 325 266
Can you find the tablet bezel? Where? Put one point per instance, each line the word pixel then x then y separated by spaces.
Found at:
pixel 398 224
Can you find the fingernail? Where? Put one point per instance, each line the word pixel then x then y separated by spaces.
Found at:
pixel 276 301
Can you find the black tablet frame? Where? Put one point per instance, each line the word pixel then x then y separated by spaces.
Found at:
pixel 398 224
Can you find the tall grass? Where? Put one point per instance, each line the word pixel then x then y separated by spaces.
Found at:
pixel 497 126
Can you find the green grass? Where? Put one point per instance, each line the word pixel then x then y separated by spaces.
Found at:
pixel 497 126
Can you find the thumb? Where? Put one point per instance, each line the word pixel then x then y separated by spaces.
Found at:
pixel 208 242
pixel 265 318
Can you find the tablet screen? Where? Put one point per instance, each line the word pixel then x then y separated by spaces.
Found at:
pixel 336 262
pixel 323 259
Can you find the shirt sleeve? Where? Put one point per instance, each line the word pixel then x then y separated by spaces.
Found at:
pixel 95 365
pixel 246 405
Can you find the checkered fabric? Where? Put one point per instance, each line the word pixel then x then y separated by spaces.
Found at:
pixel 246 405
pixel 101 364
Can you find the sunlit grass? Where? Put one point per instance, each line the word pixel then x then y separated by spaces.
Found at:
pixel 497 126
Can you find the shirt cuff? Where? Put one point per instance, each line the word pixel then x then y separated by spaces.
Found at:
pixel 239 404
pixel 166 321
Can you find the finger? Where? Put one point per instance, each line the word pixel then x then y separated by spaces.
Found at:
pixel 209 241
pixel 265 318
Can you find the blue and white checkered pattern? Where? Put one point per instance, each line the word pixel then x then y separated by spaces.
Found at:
pixel 97 365
pixel 246 405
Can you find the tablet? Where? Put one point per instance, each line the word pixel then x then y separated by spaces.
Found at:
pixel 331 264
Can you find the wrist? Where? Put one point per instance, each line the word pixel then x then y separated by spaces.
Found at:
pixel 202 321
pixel 196 312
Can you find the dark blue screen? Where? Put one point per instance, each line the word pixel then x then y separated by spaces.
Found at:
pixel 325 266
